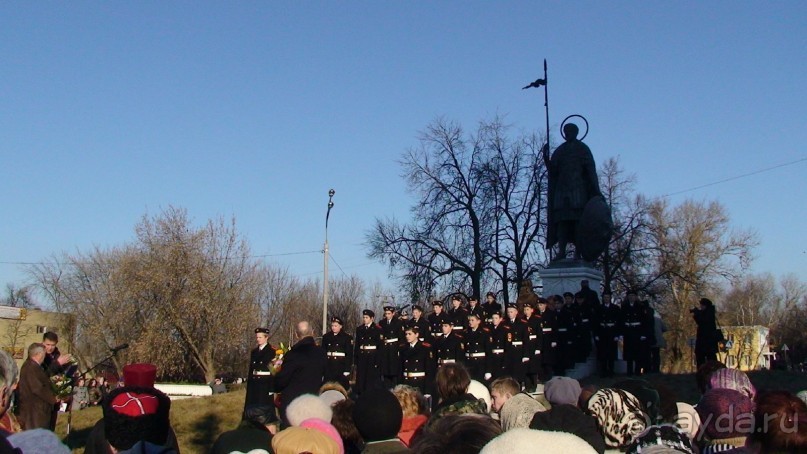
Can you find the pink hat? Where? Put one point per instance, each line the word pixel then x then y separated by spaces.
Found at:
pixel 326 428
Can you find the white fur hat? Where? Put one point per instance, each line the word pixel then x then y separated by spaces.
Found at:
pixel 308 406
pixel 529 440
pixel 480 391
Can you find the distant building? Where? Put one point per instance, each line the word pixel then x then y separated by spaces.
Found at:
pixel 747 348
pixel 20 327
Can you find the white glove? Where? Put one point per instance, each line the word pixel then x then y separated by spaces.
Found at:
pixel 487 375
pixel 554 344
pixel 642 338
pixel 345 373
pixel 597 338
pixel 525 360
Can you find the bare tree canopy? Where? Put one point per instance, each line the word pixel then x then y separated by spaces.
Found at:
pixel 477 215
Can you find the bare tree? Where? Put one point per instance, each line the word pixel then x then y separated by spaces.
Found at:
pixel 697 251
pixel 477 195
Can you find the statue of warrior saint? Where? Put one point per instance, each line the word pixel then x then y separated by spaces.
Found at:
pixel 577 212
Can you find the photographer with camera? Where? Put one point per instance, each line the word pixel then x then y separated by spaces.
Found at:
pixel 706 337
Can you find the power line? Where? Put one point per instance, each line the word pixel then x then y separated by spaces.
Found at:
pixel 737 177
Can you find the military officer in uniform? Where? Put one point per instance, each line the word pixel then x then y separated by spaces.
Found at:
pixel 458 314
pixel 500 338
pixel 476 339
pixel 609 328
pixel 533 345
pixel 417 361
pixel 636 327
pixel 491 307
pixel 516 357
pixel 368 340
pixel 424 329
pixel 585 317
pixel 338 346
pixel 475 308
pixel 436 319
pixel 549 339
pixel 567 324
pixel 260 383
pixel 449 348
pixel 390 363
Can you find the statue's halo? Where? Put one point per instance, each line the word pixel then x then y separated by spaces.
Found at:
pixel 567 119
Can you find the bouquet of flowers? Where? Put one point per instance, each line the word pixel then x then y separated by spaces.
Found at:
pixel 280 352
pixel 61 386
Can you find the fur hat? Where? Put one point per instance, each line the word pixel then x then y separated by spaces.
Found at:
pixel 307 406
pixel 133 414
pixel 528 440
pixel 688 419
pixel 725 413
pixel 479 391
pixel 661 439
pixel 140 374
pixel 518 411
pixel 331 397
pixel 377 415
pixel 570 419
pixel 619 415
pixel 295 440
pixel 732 379
pixel 562 390
pixel 326 428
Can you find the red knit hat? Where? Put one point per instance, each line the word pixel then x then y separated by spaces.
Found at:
pixel 140 374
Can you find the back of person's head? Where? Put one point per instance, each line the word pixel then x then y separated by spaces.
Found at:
pixel 37 441
pixel 342 420
pixel 530 440
pixel 35 349
pixel 732 379
pixel 377 415
pixel 9 372
pixel 303 329
pixel 725 414
pixel 260 414
pixel 457 434
pixel 307 406
pixel 705 371
pixel 412 401
pixel 480 391
pixel 133 414
pixel 662 439
pixel 452 380
pixel 647 395
pixel 619 414
pixel 296 440
pixel 779 424
pixel 562 390
pixel 570 419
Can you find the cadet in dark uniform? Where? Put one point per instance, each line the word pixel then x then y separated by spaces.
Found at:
pixel 260 383
pixel 368 339
pixel 417 361
pixel 632 316
pixel 424 329
pixel 549 340
pixel 516 357
pixel 436 319
pixel 499 344
pixel 449 347
pixel 567 324
pixel 585 320
pixel 390 363
pixel 475 308
pixel 491 307
pixel 533 345
pixel 458 314
pixel 477 338
pixel 338 345
pixel 609 328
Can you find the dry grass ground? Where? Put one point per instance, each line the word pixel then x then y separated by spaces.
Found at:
pixel 198 422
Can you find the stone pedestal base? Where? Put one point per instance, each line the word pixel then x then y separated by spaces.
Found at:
pixel 565 276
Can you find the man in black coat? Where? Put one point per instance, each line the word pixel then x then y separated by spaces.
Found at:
pixel 369 338
pixel 303 368
pixel 389 362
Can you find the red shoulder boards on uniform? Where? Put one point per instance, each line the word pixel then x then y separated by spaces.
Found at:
pixel 486 329
pixel 426 344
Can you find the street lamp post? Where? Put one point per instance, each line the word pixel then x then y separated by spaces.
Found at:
pixel 325 266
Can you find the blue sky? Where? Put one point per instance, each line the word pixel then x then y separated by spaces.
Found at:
pixel 109 111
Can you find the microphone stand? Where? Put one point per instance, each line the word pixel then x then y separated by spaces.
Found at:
pixel 82 376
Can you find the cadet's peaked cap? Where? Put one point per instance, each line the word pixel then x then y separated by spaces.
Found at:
pixel 473 298
pixel 437 303
pixel 542 300
pixel 447 321
pixel 491 294
pixel 417 307
pixel 565 294
pixel 261 330
pixel 513 305
pixel 368 313
pixel 529 304
pixel 337 320
pixel 389 308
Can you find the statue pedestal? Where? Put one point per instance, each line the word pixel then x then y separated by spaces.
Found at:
pixel 565 276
